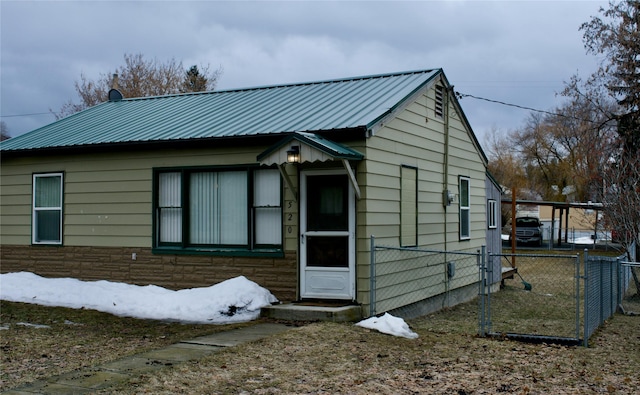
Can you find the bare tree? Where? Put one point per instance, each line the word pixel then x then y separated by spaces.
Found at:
pixel 620 195
pixel 506 166
pixel 140 77
pixel 566 151
pixel 616 35
pixel 4 131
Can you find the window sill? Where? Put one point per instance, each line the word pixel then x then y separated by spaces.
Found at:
pixel 258 252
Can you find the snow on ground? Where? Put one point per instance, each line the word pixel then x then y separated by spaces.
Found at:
pixel 577 240
pixel 234 300
pixel 390 325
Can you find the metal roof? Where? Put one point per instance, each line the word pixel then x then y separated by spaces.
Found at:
pixel 331 148
pixel 350 103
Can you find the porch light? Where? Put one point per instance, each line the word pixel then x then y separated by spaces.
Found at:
pixel 293 154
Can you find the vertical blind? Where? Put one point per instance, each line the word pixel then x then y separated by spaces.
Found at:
pixel 218 210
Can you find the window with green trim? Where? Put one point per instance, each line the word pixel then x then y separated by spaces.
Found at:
pixel 47 208
pixel 212 208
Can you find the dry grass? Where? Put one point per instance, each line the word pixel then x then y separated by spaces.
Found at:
pixel 549 308
pixel 320 358
pixel 329 358
pixel 323 358
pixel 75 339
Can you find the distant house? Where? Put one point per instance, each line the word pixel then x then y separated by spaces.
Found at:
pixel 282 184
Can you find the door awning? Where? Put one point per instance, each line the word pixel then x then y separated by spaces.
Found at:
pixel 311 148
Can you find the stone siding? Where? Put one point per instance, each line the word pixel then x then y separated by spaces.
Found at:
pixel 279 275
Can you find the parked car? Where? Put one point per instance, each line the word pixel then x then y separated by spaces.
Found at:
pixel 528 231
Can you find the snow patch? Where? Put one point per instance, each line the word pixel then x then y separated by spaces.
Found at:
pixel 234 300
pixel 390 325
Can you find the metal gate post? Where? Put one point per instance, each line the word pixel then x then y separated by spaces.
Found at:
pixel 619 284
pixel 587 315
pixel 481 295
pixel 488 263
pixel 577 263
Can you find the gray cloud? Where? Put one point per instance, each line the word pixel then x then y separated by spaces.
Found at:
pixel 518 52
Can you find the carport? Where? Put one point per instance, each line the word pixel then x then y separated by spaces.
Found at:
pixel 562 208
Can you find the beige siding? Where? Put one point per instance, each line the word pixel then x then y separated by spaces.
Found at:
pixel 108 197
pixel 416 138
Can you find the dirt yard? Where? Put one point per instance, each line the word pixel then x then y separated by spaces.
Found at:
pixel 323 358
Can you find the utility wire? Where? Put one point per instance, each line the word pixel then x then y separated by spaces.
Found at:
pixel 557 114
pixel 25 115
pixel 462 95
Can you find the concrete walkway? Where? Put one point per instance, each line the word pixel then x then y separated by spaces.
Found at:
pixel 109 374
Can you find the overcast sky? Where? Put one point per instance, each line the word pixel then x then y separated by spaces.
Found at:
pixel 511 51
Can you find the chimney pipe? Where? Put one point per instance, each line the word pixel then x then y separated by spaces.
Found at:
pixel 114 93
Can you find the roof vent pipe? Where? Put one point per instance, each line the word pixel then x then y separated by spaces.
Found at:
pixel 114 93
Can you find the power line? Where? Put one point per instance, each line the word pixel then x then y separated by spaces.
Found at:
pixel 25 115
pixel 556 114
pixel 461 95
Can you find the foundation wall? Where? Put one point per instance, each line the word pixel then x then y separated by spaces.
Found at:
pixel 278 275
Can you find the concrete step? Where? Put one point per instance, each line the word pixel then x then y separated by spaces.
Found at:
pixel 307 312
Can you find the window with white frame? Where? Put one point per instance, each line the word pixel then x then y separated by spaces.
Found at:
pixel 215 208
pixel 465 209
pixel 47 208
pixel 492 214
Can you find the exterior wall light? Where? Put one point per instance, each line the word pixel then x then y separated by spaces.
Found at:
pixel 293 154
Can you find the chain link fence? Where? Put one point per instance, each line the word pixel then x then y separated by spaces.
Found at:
pixel 558 298
pixel 602 291
pixel 630 292
pixel 612 284
pixel 401 277
pixel 539 299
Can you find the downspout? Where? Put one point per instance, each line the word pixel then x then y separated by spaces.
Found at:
pixel 445 161
pixel 445 184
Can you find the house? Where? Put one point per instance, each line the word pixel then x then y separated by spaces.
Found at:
pixel 493 241
pixel 282 184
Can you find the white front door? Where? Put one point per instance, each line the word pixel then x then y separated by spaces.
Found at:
pixel 327 235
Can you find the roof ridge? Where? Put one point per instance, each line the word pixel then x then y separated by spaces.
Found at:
pixel 353 104
pixel 287 85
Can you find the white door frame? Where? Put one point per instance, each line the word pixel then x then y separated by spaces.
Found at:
pixel 327 282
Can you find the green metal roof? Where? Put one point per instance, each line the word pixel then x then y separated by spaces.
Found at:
pixel 329 147
pixel 341 104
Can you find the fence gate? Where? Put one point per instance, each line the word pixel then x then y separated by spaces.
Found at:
pixel 539 298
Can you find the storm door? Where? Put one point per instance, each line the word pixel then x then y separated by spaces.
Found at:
pixel 327 235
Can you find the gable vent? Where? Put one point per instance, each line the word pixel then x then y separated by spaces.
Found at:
pixel 439 107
